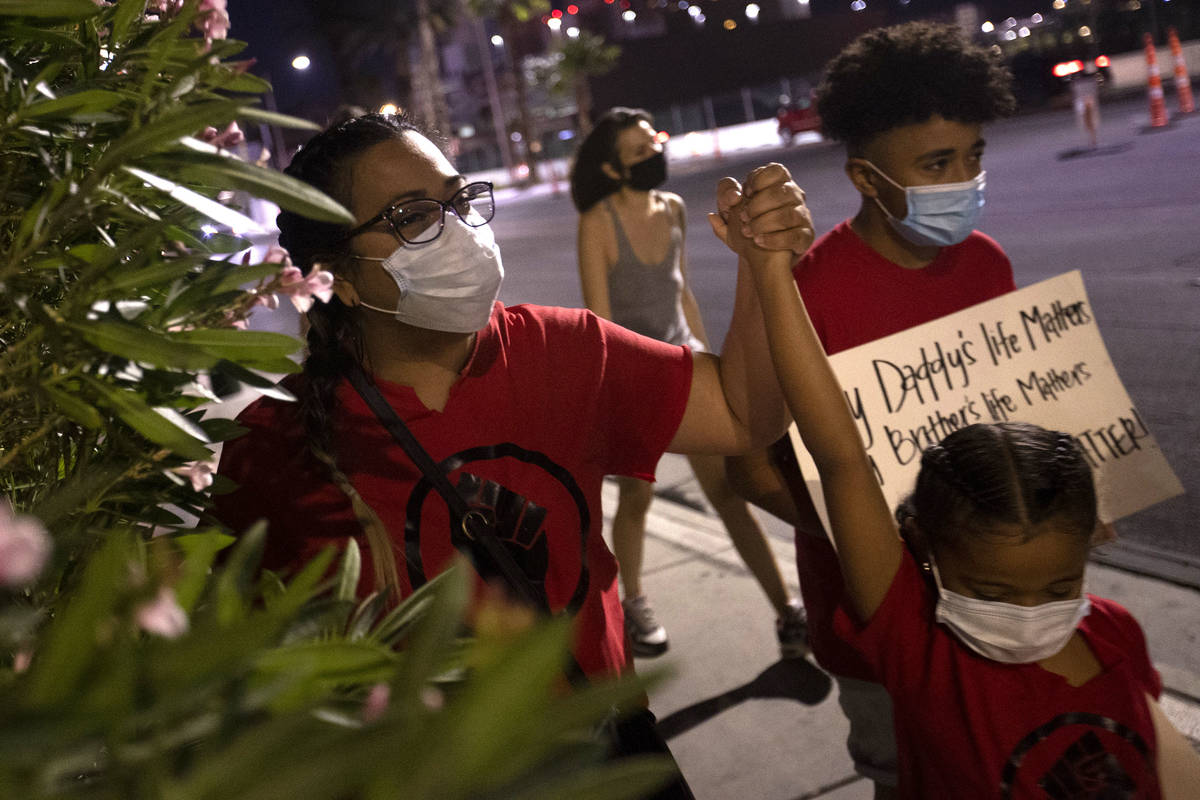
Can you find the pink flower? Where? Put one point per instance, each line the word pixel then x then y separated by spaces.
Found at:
pixel 213 19
pixel 200 473
pixel 232 135
pixel 163 616
pixel 302 289
pixel 24 547
pixel 377 702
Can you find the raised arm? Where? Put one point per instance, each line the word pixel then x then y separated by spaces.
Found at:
pixel 735 402
pixel 593 244
pixel 862 526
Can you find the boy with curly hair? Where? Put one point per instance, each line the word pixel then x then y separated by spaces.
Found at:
pixel 909 103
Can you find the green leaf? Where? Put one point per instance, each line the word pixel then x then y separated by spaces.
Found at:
pixel 128 12
pixel 249 348
pixel 168 129
pixel 76 409
pixel 77 491
pixel 244 82
pixel 244 275
pixel 155 273
pixel 49 9
pixel 67 649
pixel 139 344
pixel 211 169
pixel 236 579
pixel 87 101
pixel 220 429
pixel 131 408
pixel 332 661
pixel 207 206
pixel 348 573
pixel 226 243
pixel 434 634
pixel 256 114
pixel 200 550
pixel 14 31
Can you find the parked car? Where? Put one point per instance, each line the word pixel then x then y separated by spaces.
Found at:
pixel 797 116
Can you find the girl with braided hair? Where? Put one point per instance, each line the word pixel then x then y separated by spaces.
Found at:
pixel 524 409
pixel 1007 679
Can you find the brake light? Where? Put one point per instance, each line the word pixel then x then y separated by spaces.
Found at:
pixel 1102 61
pixel 1066 68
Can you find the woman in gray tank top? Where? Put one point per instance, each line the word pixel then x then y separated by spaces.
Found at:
pixel 633 271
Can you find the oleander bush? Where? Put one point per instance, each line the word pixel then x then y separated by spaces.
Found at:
pixel 143 652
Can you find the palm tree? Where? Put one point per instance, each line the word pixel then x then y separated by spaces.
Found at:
pixel 428 97
pixel 513 17
pixel 583 57
pixel 362 31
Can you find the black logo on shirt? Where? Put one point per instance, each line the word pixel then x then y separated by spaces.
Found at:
pixel 520 522
pixel 1087 769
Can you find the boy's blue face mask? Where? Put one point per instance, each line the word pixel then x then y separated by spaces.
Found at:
pixel 940 214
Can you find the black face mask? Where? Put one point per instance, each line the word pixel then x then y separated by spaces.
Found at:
pixel 649 173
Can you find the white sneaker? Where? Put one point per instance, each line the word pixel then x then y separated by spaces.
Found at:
pixel 648 638
pixel 792 630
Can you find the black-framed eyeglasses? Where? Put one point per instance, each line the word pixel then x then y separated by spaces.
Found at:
pixel 421 220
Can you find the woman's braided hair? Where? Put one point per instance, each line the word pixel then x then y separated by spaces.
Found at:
pixel 1008 474
pixel 334 338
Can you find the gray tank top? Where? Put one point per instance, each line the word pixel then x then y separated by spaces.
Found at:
pixel 646 298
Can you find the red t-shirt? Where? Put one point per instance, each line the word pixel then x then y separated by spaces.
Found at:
pixel 550 401
pixel 853 296
pixel 967 726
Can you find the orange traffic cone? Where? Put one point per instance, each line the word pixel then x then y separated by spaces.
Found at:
pixel 1183 84
pixel 1158 108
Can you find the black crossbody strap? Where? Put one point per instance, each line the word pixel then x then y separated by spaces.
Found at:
pixel 474 524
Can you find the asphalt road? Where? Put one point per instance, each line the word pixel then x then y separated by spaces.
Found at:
pixel 1128 217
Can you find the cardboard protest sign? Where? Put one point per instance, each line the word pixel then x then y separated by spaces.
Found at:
pixel 1034 355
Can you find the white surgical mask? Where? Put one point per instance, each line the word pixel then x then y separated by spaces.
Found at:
pixel 449 284
pixel 939 215
pixel 1008 633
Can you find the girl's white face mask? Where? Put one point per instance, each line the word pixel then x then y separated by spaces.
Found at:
pixel 1008 633
pixel 448 284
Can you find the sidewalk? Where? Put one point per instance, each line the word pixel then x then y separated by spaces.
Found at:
pixel 744 724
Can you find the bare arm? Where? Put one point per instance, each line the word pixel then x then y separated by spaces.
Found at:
pixel 868 545
pixel 1178 765
pixel 736 403
pixel 757 479
pixel 592 244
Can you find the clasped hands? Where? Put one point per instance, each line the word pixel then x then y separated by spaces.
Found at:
pixel 764 218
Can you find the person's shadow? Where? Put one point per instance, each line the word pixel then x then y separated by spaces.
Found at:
pixel 787 679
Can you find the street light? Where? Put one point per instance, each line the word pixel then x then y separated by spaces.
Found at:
pixel 388 108
pixel 497 40
pixel 752 11
pixel 301 63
